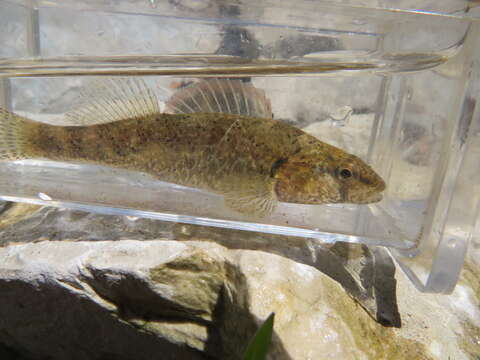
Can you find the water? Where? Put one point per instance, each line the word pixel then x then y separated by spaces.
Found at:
pixel 134 194
pixel 405 78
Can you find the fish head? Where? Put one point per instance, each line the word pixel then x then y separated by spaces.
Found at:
pixel 357 182
pixel 327 175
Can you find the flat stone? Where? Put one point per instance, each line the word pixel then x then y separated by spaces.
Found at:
pixel 192 300
pixel 126 299
pixel 205 295
pixel 366 275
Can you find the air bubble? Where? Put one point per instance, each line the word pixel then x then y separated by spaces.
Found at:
pixel 341 116
pixel 452 243
pixel 359 21
pixel 409 94
pixel 43 196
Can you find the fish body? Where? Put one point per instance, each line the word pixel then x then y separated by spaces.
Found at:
pixel 253 161
pixel 212 151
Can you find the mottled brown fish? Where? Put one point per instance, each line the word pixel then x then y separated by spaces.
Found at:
pixel 219 136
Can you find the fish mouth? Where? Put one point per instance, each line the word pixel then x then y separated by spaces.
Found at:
pixel 376 198
pixel 373 198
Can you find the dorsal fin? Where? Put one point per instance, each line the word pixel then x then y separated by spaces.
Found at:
pixel 114 99
pixel 223 96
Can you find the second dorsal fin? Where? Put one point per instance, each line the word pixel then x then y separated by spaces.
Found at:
pixel 222 96
pixel 113 99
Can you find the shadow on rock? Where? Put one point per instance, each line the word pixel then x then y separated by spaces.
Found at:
pixel 233 320
pixel 125 301
pixel 367 275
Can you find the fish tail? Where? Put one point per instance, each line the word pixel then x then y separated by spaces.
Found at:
pixel 11 136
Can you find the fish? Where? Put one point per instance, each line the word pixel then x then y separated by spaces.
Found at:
pixel 218 135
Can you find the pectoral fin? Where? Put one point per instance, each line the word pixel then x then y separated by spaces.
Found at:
pixel 258 201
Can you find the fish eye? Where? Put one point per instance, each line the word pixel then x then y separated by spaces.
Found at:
pixel 345 173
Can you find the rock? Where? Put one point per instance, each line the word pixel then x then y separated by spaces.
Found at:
pixel 409 180
pixel 181 299
pixel 366 275
pixel 196 300
pixel 300 45
pixel 238 41
pixel 314 319
pixel 125 300
pixel 352 135
pixel 448 325
pixel 12 213
pixel 10 354
pixel 4 205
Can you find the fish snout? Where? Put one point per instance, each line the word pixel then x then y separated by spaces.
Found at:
pixel 381 185
pixel 376 197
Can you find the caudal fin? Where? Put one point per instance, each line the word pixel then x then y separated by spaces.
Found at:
pixel 11 139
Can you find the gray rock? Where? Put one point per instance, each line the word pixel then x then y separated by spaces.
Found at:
pixel 300 45
pixel 193 300
pixel 368 276
pixel 124 300
pixel 119 299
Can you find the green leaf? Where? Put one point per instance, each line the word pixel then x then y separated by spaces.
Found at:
pixel 258 347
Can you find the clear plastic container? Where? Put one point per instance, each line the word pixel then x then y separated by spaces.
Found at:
pixel 394 82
